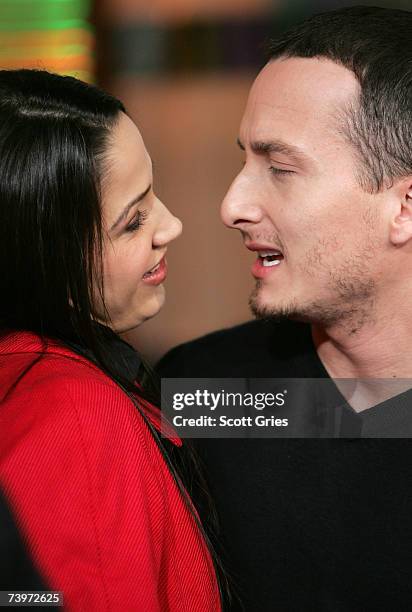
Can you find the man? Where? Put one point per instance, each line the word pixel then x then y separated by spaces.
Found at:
pixel 325 200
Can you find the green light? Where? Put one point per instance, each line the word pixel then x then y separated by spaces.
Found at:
pixel 44 11
pixel 41 26
pixel 29 26
pixel 80 7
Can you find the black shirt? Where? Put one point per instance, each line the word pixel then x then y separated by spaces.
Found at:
pixel 306 524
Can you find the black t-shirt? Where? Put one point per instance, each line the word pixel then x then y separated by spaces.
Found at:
pixel 319 525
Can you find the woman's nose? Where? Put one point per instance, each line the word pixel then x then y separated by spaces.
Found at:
pixel 169 227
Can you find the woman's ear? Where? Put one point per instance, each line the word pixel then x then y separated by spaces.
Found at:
pixel 401 223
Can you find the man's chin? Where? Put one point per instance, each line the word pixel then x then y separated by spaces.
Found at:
pixel 263 309
pixel 316 312
pixel 319 313
pixel 352 304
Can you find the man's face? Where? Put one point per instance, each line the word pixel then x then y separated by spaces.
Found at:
pixel 298 194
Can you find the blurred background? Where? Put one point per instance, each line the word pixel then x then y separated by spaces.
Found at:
pixel 183 69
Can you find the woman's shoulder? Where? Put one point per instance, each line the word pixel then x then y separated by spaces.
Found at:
pixel 49 384
pixel 57 399
pixel 79 461
pixel 27 360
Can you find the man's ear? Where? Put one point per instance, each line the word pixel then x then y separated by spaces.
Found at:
pixel 401 223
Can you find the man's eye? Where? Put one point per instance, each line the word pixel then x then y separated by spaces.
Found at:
pixel 274 170
pixel 138 221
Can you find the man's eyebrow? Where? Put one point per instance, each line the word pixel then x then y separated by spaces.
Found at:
pixel 128 206
pixel 278 146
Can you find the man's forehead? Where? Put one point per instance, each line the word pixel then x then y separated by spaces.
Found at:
pixel 303 94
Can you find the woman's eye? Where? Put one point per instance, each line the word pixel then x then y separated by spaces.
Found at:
pixel 137 222
pixel 274 170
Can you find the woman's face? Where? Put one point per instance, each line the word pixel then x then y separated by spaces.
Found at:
pixel 137 231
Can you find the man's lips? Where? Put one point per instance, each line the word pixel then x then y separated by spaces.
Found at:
pixel 260 246
pixel 268 260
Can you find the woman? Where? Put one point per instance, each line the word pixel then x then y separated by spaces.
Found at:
pixel 83 240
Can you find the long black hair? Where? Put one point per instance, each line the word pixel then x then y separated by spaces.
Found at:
pixel 54 135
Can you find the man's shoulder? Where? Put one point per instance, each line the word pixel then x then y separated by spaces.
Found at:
pixel 252 331
pixel 249 349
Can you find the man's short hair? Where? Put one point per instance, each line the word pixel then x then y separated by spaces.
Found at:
pixel 376 45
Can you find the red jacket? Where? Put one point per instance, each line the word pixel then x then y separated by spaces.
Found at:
pixel 98 508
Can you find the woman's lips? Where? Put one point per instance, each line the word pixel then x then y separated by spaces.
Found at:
pixel 157 275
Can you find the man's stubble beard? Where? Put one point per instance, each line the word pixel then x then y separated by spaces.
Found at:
pixel 350 303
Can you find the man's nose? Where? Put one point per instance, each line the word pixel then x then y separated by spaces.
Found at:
pixel 240 206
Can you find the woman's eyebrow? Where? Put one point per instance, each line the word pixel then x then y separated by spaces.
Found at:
pixel 128 206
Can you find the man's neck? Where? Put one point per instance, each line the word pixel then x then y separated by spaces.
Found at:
pixel 374 352
pixel 382 349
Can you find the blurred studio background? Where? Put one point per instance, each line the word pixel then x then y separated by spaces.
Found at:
pixel 183 69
